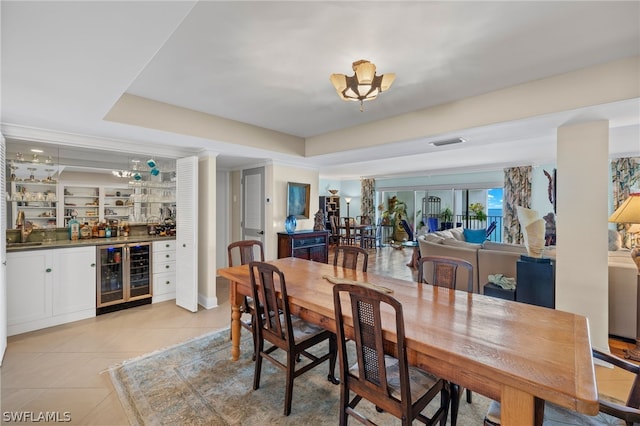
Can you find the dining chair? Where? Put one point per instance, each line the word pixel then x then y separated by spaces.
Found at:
pixel 348 236
pixel 286 332
pixel 390 383
pixel 334 236
pixel 350 256
pixel 241 253
pixel 612 409
pixel 367 233
pixel 445 275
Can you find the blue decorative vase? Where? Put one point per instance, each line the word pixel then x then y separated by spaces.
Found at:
pixel 290 224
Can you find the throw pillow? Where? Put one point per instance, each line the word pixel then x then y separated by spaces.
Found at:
pixel 444 234
pixel 475 235
pixel 458 233
pixel 433 238
pixel 615 240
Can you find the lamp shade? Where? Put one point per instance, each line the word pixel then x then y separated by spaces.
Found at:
pixel 629 211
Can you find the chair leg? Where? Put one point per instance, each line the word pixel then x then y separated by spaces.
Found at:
pixel 344 402
pixel 258 366
pixel 288 394
pixel 455 403
pixel 254 337
pixel 445 401
pixel 468 396
pixel 333 349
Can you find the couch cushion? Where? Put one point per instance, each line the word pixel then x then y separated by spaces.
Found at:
pixel 620 256
pixel 514 248
pixel 444 234
pixel 549 251
pixel 455 243
pixel 475 235
pixel 433 238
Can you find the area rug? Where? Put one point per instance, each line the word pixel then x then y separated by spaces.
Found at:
pixel 196 383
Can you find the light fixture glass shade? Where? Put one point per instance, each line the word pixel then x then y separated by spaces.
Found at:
pixel 629 211
pixel 347 199
pixel 365 71
pixel 387 81
pixel 339 81
pixel 364 85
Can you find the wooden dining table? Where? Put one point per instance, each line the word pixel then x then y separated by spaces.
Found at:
pixel 512 352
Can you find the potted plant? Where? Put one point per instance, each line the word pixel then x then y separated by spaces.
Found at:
pixel 477 209
pixel 446 215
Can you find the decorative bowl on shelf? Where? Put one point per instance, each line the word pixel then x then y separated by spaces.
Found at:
pixel 333 191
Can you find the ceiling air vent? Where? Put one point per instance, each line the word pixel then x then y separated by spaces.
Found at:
pixel 447 142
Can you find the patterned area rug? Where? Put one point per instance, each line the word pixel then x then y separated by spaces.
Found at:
pixel 195 383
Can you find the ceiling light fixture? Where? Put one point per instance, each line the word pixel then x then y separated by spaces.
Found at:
pixel 447 142
pixel 364 85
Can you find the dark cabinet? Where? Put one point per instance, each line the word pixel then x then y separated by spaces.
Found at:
pixel 536 281
pixel 310 245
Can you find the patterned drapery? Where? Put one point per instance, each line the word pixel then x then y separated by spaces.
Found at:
pixel 625 173
pixel 367 197
pixel 517 192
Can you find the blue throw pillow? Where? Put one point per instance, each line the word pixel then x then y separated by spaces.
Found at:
pixel 475 235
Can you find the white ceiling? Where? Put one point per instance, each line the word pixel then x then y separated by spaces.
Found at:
pixel 65 64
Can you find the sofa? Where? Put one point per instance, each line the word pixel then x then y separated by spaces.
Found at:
pixel 487 258
pixel 623 288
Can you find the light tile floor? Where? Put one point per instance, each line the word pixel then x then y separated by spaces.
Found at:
pixel 63 368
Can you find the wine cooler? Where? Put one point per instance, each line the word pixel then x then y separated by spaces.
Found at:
pixel 124 276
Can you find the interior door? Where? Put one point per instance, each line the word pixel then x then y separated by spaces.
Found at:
pixel 186 235
pixel 252 204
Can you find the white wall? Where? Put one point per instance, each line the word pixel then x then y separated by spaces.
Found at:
pixel 281 176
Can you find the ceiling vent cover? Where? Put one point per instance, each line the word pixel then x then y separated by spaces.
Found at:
pixel 447 142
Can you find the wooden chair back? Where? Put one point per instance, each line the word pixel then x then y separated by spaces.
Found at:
pixel 269 289
pixel 274 324
pixel 444 271
pixel 370 380
pixel 445 275
pixel 629 411
pixel 242 253
pixel 350 256
pixel 245 251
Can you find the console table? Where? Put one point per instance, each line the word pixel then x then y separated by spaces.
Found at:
pixel 310 245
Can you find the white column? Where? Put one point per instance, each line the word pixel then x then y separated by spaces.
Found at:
pixel 582 199
pixel 207 200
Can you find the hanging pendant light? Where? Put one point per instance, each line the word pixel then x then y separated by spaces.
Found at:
pixel 364 85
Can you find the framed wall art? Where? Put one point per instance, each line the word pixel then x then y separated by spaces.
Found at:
pixel 298 195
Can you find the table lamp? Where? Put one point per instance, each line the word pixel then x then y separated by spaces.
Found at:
pixel 629 213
